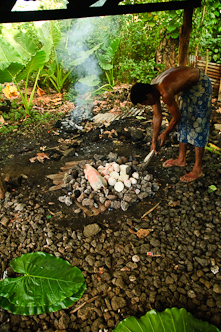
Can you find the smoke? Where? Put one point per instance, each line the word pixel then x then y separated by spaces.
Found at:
pixel 77 47
pixel 83 36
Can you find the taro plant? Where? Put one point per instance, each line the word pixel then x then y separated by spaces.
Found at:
pixel 56 46
pixel 20 57
pixel 58 76
pixel 170 320
pixel 49 34
pixel 16 72
pixel 106 55
pixel 47 284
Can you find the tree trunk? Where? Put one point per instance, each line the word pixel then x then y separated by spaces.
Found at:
pixel 166 52
pixel 185 32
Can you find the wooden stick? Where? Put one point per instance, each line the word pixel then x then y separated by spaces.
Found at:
pixel 154 207
pixel 83 304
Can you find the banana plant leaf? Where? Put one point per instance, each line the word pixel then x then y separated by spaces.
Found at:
pixel 48 284
pixel 170 320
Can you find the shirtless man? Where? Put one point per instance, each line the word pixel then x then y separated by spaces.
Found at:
pixel 193 117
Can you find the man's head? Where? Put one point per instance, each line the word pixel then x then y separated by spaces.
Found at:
pixel 143 93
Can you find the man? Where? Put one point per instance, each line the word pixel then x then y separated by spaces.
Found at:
pixel 193 117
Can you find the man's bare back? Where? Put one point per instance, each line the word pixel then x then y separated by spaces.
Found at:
pixel 175 80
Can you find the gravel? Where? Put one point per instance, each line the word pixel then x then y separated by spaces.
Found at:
pixel 178 264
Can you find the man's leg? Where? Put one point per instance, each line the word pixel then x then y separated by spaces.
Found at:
pixel 181 160
pixel 197 168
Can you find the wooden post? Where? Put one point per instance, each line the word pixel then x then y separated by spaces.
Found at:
pixel 207 61
pixel 2 188
pixel 185 32
pixel 219 93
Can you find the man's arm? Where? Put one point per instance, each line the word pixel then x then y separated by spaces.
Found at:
pixel 157 119
pixel 176 116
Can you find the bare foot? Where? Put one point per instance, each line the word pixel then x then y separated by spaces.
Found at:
pixel 174 162
pixel 192 176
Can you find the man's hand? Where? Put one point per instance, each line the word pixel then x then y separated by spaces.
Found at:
pixel 163 137
pixel 154 147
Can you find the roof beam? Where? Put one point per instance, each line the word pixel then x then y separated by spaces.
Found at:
pixel 79 10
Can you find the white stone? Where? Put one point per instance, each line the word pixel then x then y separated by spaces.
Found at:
pixel 135 258
pixel 133 180
pixel 112 181
pixel 123 176
pixel 123 168
pixel 127 183
pixel 116 167
pixel 119 186
pixel 135 175
pixel 114 175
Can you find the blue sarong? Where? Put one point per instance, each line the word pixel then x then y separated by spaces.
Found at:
pixel 195 111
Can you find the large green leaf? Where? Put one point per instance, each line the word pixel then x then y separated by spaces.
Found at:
pixel 113 47
pixel 170 320
pixel 83 56
pixel 37 310
pixel 91 80
pixel 9 73
pixel 49 35
pixel 36 62
pixel 48 284
pixel 21 42
pixel 7 54
pixel 104 62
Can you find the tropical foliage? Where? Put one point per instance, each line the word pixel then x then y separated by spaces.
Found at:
pixel 207 30
pixel 82 55
pixel 170 320
pixel 46 284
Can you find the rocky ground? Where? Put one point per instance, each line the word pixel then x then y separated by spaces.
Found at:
pixel 128 270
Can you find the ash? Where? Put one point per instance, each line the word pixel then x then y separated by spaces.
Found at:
pixel 77 187
pixel 73 121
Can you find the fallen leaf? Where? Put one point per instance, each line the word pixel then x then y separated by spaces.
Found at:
pixel 40 92
pixel 40 157
pixel 110 133
pixel 143 233
pixel 174 203
pixel 10 91
pixel 115 110
pixel 125 269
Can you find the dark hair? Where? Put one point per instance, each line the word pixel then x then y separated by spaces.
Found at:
pixel 139 91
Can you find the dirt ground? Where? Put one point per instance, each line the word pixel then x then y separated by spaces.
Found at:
pixel 27 159
pixel 43 151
